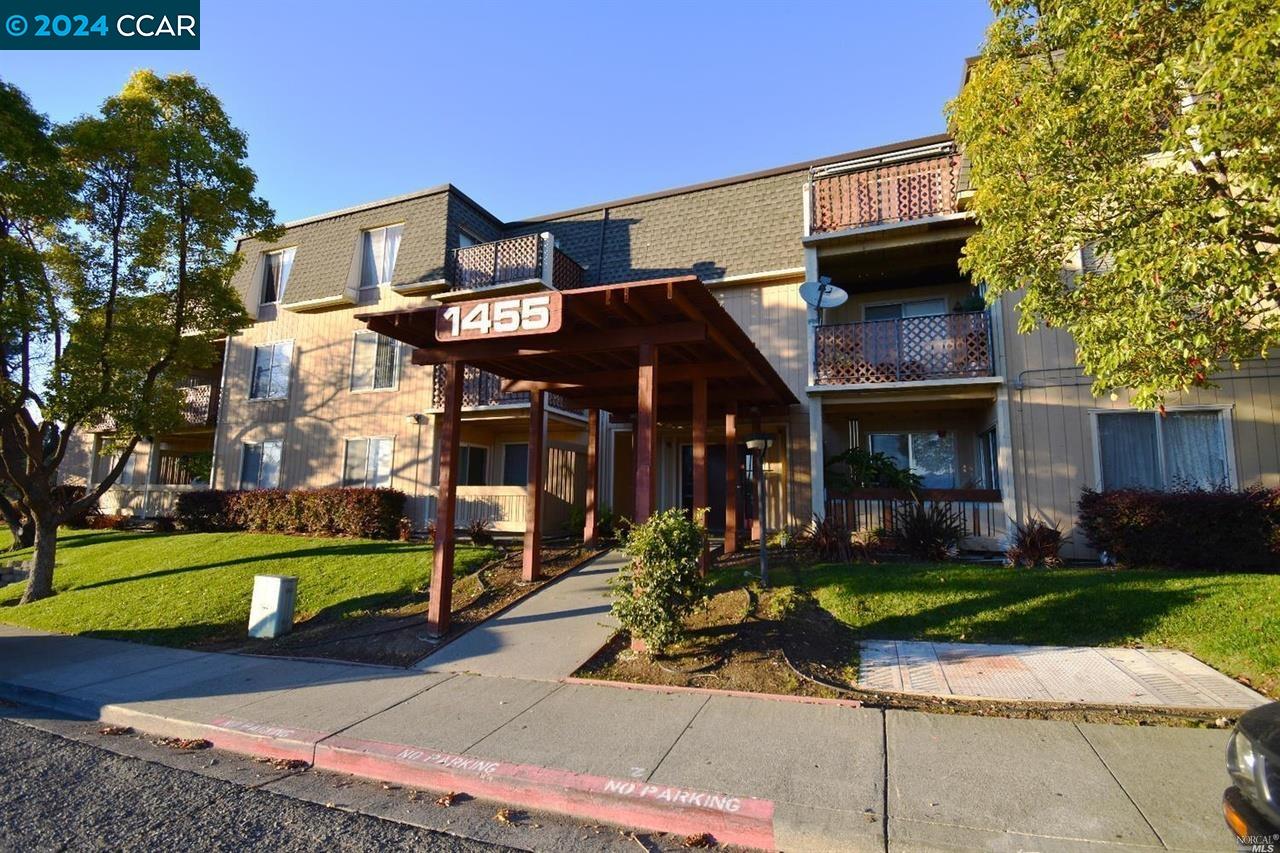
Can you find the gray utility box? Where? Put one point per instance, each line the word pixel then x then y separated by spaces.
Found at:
pixel 271 613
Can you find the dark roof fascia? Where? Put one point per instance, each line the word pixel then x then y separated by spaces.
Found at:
pixel 738 179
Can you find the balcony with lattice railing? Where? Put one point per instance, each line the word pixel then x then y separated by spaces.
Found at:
pixel 885 191
pixel 483 390
pixel 911 349
pixel 516 264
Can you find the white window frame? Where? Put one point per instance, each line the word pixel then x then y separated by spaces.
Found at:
pixel 943 299
pixel 262 278
pixel 992 448
pixel 911 451
pixel 469 236
pixel 253 370
pixel 360 252
pixel 1225 414
pixel 487 453
pixel 395 375
pixel 279 471
pixel 391 471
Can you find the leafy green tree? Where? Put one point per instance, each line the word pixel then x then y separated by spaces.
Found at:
pixel 1148 133
pixel 124 298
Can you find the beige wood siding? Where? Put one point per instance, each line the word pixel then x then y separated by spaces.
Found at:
pixel 1053 440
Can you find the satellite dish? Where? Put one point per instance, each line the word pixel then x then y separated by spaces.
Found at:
pixel 823 294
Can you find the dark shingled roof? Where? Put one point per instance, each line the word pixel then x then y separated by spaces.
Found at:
pixel 731 227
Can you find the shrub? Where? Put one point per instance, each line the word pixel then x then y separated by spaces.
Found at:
pixel 663 584
pixel 65 495
pixel 828 540
pixel 108 522
pixel 1191 529
pixel 204 511
pixel 480 532
pixel 367 513
pixel 1036 543
pixel 929 532
pixel 866 543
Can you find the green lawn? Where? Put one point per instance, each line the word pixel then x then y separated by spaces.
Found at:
pixel 1230 621
pixel 179 589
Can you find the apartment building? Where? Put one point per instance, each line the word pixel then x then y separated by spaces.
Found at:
pixel 1000 426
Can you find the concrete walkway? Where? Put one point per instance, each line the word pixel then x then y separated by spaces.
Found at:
pixel 547 636
pixel 1100 676
pixel 757 772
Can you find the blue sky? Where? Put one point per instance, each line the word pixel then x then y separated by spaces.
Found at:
pixel 537 107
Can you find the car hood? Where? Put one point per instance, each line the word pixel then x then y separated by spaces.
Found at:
pixel 1262 726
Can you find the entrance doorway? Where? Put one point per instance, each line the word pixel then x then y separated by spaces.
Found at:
pixel 715 483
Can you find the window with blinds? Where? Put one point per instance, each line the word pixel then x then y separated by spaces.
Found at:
pixel 374 365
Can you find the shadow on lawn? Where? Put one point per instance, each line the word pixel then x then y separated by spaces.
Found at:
pixel 340 549
pixel 1108 609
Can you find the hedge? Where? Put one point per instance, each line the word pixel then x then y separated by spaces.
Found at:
pixel 1193 529
pixel 367 513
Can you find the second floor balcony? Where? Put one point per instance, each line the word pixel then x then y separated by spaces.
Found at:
pixel 889 190
pixel 483 390
pixel 514 265
pixel 910 349
pixel 200 405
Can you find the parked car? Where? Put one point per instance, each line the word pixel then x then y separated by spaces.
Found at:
pixel 1252 805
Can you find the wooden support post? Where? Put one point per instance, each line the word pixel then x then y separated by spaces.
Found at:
pixel 440 606
pixel 593 476
pixel 700 461
pixel 532 568
pixel 757 428
pixel 646 433
pixel 731 480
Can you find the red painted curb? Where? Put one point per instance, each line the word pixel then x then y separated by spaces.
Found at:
pixel 744 821
pixel 712 691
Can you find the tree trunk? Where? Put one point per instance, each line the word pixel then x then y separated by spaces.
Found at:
pixel 40 581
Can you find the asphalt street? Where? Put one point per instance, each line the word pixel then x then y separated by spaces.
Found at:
pixel 59 794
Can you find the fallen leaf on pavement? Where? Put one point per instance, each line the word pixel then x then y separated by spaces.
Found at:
pixel 448 799
pixel 701 840
pixel 115 730
pixel 183 742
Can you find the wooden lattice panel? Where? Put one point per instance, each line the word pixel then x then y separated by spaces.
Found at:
pixel 908 350
pixel 884 194
pixel 479 388
pixel 500 262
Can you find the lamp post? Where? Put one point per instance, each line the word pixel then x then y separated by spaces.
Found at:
pixel 759 444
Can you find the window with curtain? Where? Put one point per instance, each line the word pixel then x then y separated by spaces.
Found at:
pixel 380 246
pixel 368 463
pixel 374 362
pixel 260 465
pixel 1184 449
pixel 515 464
pixel 105 461
pixel 271 371
pixel 473 465
pixel 930 455
pixel 275 275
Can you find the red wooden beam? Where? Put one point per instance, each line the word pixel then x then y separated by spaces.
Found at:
pixel 439 609
pixel 532 567
pixel 646 433
pixel 593 476
pixel 595 340
pixel 700 460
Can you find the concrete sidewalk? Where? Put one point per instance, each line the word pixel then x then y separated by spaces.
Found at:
pixel 756 772
pixel 1140 678
pixel 546 636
